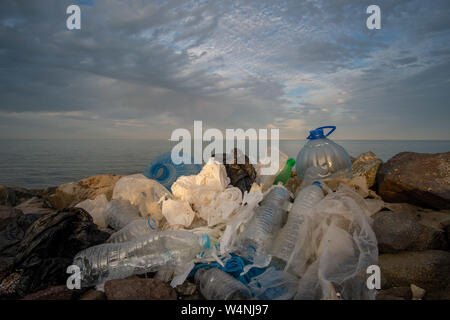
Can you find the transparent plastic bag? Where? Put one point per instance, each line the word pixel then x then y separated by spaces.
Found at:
pixel 142 192
pixel 96 208
pixel 336 246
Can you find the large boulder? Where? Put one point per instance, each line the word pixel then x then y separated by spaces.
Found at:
pixel 51 293
pixel 7 196
pixel 139 289
pixel 367 165
pixel 417 178
pixel 410 230
pixel 428 269
pixel 70 194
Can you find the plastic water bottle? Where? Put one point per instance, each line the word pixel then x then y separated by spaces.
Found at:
pixel 134 229
pixel 286 173
pixel 119 213
pixel 286 240
pixel 216 284
pixel 163 170
pixel 322 159
pixel 147 253
pixel 256 238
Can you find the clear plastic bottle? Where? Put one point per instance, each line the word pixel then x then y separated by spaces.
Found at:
pixel 322 159
pixel 147 253
pixel 163 170
pixel 257 237
pixel 134 229
pixel 286 240
pixel 216 284
pixel 119 213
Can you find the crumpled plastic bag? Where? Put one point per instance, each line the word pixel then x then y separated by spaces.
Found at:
pixel 178 212
pixel 142 192
pixel 96 208
pixel 208 194
pixel 336 246
pixel 38 248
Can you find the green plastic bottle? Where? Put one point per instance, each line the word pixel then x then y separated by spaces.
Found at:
pixel 285 174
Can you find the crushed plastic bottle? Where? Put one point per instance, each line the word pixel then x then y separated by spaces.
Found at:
pixel 119 213
pixel 322 159
pixel 134 229
pixel 163 170
pixel 218 285
pixel 147 253
pixel 256 239
pixel 286 240
pixel 286 173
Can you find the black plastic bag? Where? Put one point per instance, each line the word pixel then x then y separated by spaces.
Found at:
pixel 242 175
pixel 40 247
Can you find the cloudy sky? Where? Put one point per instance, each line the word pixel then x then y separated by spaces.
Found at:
pixel 140 68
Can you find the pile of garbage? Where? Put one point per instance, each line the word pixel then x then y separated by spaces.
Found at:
pixel 234 232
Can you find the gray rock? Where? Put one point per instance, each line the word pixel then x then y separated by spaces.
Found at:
pixel 367 165
pixel 417 178
pixel 139 289
pixel 7 196
pixel 429 269
pixel 35 205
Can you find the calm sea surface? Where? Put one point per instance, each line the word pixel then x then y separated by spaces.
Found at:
pixel 41 163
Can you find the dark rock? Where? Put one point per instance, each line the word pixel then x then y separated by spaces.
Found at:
pixel 7 196
pixel 416 178
pixel 367 165
pixel 395 293
pixel 93 295
pixel 7 214
pixel 427 269
pixel 139 289
pixel 22 195
pixel 395 231
pixel 442 294
pixel 52 293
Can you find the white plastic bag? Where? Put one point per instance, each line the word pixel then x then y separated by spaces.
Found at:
pixel 96 208
pixel 335 249
pixel 178 212
pixel 142 192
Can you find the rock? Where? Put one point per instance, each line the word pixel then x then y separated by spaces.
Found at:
pixel 395 293
pixel 427 269
pixel 139 289
pixel 35 205
pixel 7 196
pixel 367 165
pixel 417 293
pixel 93 295
pixel 52 293
pixel 416 178
pixel 7 214
pixel 395 231
pixel 186 289
pixel 72 193
pixel 22 195
pixel 434 224
pixel 441 294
